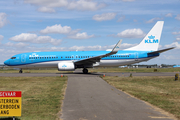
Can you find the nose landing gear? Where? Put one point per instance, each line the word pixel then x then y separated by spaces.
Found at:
pixel 85 70
pixel 20 71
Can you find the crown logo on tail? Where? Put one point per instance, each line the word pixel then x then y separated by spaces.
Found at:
pixel 151 40
pixel 151 37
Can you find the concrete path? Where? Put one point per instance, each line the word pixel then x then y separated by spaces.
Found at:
pixel 91 98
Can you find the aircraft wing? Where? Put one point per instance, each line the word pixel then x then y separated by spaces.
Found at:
pixel 160 51
pixel 90 61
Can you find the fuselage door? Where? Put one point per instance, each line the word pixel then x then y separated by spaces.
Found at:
pixel 136 56
pixel 23 58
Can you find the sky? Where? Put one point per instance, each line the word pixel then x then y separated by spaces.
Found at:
pixel 87 25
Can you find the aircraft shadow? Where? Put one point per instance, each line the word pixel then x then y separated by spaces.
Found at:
pixel 80 73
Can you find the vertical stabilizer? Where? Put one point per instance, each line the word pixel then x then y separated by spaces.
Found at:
pixel 152 39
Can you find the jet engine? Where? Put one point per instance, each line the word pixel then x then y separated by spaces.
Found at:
pixel 66 66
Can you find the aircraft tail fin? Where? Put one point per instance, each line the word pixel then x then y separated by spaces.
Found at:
pixel 151 40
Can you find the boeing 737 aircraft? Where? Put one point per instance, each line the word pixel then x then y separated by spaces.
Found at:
pixel 69 61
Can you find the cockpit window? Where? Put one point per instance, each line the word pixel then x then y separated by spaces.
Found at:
pixel 13 58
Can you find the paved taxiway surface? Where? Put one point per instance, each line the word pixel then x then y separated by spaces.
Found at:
pixel 91 98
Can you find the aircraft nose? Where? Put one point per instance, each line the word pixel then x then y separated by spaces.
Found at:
pixel 7 62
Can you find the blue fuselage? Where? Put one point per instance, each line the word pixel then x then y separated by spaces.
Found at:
pixel 51 59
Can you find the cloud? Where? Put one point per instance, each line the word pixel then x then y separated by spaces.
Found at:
pixel 24 37
pixel 178 38
pixel 20 44
pixel 85 5
pixel 178 17
pixel 168 15
pixel 174 44
pixel 56 29
pixel 121 18
pixel 176 33
pixel 128 0
pixel 104 17
pixel 81 36
pixel 3 20
pixel 99 47
pixel 81 5
pixel 48 3
pixel 33 38
pixel 130 33
pixel 1 37
pixel 46 9
pixel 73 34
pixel 153 19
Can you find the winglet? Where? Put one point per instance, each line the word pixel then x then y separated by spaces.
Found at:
pixel 116 48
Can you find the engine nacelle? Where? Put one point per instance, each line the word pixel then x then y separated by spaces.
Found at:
pixel 66 66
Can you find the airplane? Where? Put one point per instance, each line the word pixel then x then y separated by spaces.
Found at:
pixel 176 66
pixel 71 60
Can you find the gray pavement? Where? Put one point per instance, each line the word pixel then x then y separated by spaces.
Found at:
pixel 91 98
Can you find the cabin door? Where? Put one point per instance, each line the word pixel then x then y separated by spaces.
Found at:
pixel 136 56
pixel 23 58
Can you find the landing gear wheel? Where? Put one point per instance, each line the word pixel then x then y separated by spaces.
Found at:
pixel 20 71
pixel 85 71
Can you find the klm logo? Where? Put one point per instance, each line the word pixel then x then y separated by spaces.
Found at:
pixel 34 55
pixel 151 40
pixel 64 66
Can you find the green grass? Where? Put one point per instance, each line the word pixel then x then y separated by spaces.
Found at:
pixel 162 92
pixel 41 96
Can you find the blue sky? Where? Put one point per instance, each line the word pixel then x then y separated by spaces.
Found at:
pixel 68 25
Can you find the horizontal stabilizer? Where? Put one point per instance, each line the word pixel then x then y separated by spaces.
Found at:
pixel 160 51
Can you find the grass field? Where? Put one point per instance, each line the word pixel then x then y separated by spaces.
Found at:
pixel 41 96
pixel 91 70
pixel 162 92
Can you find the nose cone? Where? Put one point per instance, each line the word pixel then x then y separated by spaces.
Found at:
pixel 7 62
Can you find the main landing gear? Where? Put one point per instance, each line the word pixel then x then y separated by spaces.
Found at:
pixel 85 71
pixel 20 71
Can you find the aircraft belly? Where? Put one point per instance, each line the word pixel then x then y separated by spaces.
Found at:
pixel 44 65
pixel 120 62
pixel 115 62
